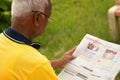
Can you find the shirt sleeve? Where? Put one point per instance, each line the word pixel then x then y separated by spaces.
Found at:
pixel 43 72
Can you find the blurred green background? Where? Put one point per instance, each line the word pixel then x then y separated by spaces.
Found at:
pixel 71 20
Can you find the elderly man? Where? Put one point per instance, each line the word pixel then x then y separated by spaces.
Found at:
pixel 19 59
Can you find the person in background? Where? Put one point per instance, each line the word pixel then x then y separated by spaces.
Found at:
pixel 19 57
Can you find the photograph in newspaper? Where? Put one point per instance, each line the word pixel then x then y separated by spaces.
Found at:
pixel 96 59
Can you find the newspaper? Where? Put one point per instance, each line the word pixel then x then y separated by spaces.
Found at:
pixel 96 59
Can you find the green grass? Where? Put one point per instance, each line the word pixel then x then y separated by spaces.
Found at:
pixel 72 19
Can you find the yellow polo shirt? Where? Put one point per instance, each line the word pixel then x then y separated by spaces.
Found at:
pixel 23 62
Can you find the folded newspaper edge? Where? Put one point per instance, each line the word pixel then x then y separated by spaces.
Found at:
pixel 97 59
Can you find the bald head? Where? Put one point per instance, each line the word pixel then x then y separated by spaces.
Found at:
pixel 21 8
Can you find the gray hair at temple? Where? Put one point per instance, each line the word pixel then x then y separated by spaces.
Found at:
pixel 21 8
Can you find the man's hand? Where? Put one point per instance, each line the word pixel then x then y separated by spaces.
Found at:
pixel 67 57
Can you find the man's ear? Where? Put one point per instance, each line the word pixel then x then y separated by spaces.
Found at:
pixel 38 19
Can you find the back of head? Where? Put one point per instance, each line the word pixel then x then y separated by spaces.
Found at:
pixel 21 8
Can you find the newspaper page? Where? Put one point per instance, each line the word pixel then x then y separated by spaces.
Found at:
pixel 96 59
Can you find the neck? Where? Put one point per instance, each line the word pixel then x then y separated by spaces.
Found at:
pixel 23 25
pixel 23 30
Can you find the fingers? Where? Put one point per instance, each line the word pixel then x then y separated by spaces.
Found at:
pixel 70 52
pixel 72 57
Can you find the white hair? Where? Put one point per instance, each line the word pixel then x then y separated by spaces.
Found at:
pixel 20 8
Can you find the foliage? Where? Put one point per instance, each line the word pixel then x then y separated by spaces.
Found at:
pixel 5 8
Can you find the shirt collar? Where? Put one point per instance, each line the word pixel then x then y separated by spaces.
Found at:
pixel 19 38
